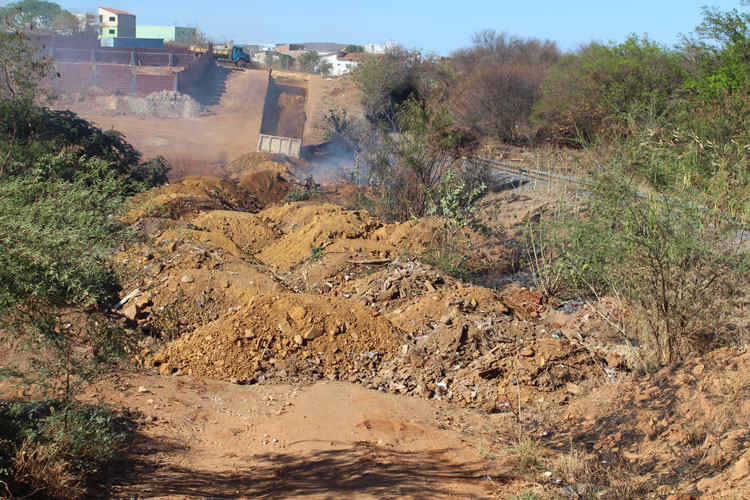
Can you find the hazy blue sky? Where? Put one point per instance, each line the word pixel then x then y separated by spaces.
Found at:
pixel 434 26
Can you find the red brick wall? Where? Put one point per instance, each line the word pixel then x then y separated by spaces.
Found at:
pixel 146 84
pixel 113 57
pixel 113 77
pixel 152 59
pixel 72 76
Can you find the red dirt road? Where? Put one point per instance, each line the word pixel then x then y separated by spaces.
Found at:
pixel 209 439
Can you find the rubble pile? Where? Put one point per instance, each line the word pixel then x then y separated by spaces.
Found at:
pixel 304 291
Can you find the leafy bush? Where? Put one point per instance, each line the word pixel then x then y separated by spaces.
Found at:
pixel 590 93
pixel 453 252
pixel 305 193
pixel 29 132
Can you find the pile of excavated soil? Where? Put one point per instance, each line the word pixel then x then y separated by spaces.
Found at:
pixel 221 282
pixel 196 193
pixel 269 186
pixel 162 104
pixel 286 336
pixel 311 225
pixel 253 163
pixel 166 104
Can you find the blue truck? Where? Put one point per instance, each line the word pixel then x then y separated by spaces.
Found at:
pixel 229 52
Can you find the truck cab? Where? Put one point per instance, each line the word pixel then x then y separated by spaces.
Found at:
pixel 239 56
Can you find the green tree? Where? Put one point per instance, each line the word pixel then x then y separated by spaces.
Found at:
pixel 354 49
pixel 604 87
pixel 39 15
pixel 308 61
pixel 384 82
pixel 720 51
pixel 21 68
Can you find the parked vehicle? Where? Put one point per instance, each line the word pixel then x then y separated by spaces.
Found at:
pixel 231 53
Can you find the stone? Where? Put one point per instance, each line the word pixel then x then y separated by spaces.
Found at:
pixel 573 389
pixel 298 339
pixel 446 320
pixel 285 327
pixel 132 312
pixel 681 496
pixel 740 469
pixel 298 313
pixel 423 391
pixel 313 333
pixel 165 369
pixel 526 352
pixel 187 279
pixel 143 301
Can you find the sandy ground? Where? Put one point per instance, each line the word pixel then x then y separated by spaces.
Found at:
pixel 210 439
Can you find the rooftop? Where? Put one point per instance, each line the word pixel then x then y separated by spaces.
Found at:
pixel 116 11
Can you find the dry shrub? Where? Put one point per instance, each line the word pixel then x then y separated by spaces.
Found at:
pixel 39 471
pixel 497 99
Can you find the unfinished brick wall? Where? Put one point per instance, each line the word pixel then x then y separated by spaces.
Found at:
pixel 146 84
pixel 111 77
pixel 73 76
pixel 114 77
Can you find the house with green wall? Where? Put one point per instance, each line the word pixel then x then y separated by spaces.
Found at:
pixel 167 33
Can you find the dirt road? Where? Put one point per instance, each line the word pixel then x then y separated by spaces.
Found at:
pixel 209 439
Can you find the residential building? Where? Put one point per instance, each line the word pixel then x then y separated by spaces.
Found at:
pixel 342 63
pixel 116 23
pixel 285 48
pixel 380 48
pixel 177 34
pixel 324 47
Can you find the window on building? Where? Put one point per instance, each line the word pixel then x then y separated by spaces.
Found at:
pixel 112 18
pixel 101 19
pixel 111 32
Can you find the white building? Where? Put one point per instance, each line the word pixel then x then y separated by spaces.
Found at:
pixel 380 48
pixel 341 63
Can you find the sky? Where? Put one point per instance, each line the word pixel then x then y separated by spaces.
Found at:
pixel 436 26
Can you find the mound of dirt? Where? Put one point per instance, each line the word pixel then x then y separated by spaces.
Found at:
pixel 310 225
pixel 286 336
pixel 166 104
pixel 191 195
pixel 252 163
pixel 240 233
pixel 684 428
pixel 269 186
pixel 227 277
